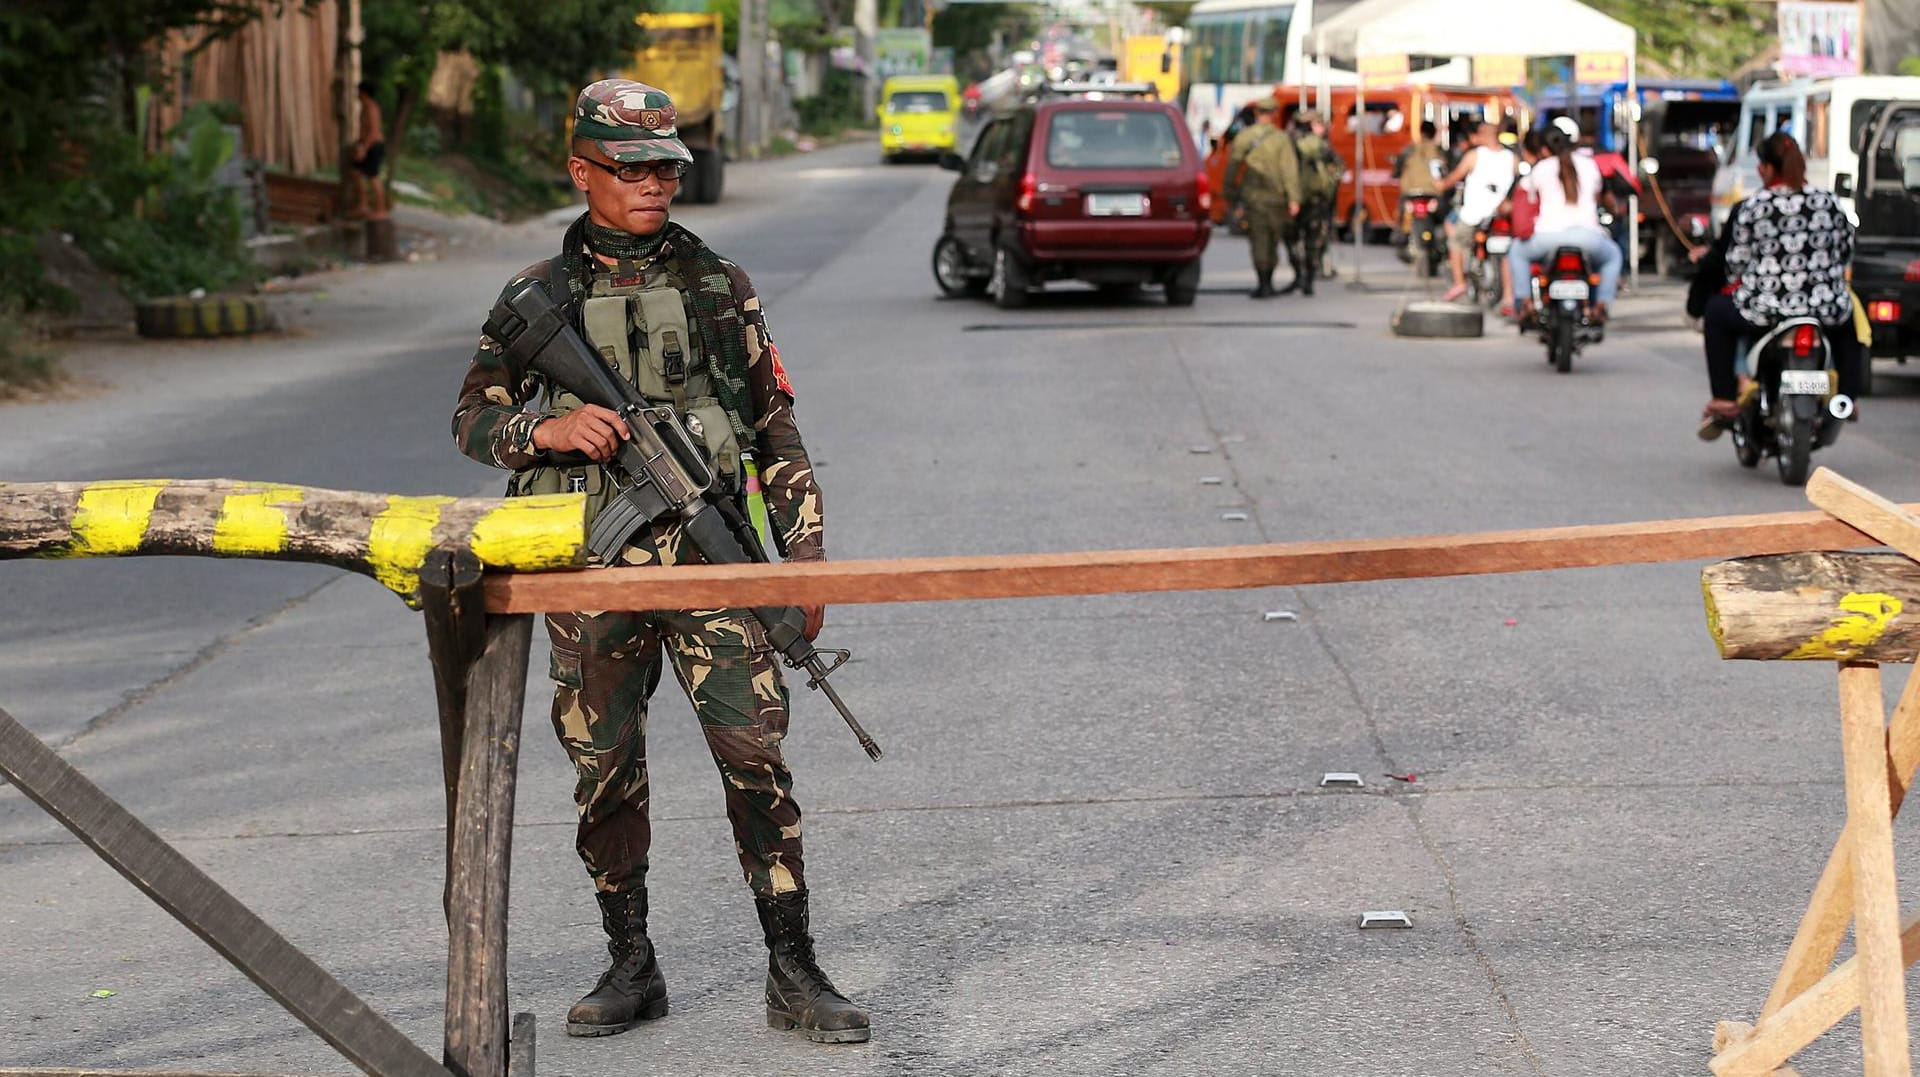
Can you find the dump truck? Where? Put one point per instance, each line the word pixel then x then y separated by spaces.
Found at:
pixel 684 57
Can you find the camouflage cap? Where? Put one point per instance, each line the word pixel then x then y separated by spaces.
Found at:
pixel 1311 115
pixel 629 121
pixel 1266 104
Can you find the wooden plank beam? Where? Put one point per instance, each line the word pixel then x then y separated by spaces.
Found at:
pixel 478 1035
pixel 1824 925
pixel 939 579
pixel 1876 894
pixel 1833 607
pixel 1761 1049
pixel 307 991
pixel 69 1072
pixel 1866 511
pixel 385 536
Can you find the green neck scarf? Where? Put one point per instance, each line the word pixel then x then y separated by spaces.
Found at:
pixel 624 246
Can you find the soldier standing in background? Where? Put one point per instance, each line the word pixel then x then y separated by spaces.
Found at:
pixel 1263 179
pixel 685 327
pixel 1320 169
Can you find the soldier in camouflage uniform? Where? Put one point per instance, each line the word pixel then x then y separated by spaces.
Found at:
pixel 1320 170
pixel 685 326
pixel 1263 176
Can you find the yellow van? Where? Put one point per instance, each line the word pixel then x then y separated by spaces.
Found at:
pixel 918 115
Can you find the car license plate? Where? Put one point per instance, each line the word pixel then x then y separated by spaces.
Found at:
pixel 1567 289
pixel 1804 383
pixel 1498 244
pixel 1104 204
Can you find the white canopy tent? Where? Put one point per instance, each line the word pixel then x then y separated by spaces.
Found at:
pixel 1375 28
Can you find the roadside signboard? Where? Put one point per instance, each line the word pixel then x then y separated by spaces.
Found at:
pixel 1499 70
pixel 1819 37
pixel 901 51
pixel 1378 71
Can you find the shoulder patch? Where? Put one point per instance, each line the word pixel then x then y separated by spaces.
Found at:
pixel 779 371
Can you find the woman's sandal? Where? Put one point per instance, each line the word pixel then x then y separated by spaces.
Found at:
pixel 1716 421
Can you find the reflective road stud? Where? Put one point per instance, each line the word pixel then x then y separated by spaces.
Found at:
pixel 1384 918
pixel 1337 777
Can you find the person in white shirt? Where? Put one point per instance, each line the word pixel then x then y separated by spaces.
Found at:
pixel 1484 175
pixel 1566 186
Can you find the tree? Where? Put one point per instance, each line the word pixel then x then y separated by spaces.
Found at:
pixel 1696 38
pixel 554 46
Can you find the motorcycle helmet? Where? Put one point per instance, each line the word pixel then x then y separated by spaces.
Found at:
pixel 1568 127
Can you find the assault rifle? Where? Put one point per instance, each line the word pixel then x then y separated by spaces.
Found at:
pixel 660 474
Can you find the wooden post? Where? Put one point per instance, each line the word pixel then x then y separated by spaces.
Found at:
pixel 1876 896
pixel 477 1043
pixel 456 634
pixel 292 978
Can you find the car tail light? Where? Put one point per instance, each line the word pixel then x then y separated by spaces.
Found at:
pixel 1803 336
pixel 1913 270
pixel 1883 310
pixel 1028 187
pixel 1569 263
pixel 1203 192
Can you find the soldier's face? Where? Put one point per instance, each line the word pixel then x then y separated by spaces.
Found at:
pixel 637 208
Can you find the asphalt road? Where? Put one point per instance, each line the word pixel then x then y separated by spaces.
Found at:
pixel 1097 844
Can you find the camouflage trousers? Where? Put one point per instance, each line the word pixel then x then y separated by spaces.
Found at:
pixel 1312 232
pixel 605 668
pixel 1267 228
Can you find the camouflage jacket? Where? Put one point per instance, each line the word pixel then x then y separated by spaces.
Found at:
pixel 1262 168
pixel 494 418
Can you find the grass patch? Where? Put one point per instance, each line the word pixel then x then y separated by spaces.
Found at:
pixel 25 363
pixel 456 183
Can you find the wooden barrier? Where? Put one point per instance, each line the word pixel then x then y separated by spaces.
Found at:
pixel 463 560
pixel 1851 610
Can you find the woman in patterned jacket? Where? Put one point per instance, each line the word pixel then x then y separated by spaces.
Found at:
pixel 1788 247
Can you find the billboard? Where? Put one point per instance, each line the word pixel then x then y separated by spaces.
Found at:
pixel 1819 37
pixel 902 51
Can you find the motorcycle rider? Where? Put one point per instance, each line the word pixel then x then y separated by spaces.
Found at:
pixel 1566 187
pixel 1786 256
pixel 1418 169
pixel 1485 174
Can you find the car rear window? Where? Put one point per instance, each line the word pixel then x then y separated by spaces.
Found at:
pixel 917 101
pixel 1120 138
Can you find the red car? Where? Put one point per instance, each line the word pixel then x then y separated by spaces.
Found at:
pixel 1097 184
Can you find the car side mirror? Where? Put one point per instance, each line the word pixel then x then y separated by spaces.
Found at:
pixel 1843 185
pixel 953 162
pixel 879 112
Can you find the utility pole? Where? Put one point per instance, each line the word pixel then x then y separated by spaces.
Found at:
pixel 753 77
pixel 346 90
pixel 866 25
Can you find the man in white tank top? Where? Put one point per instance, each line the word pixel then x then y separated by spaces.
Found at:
pixel 1484 175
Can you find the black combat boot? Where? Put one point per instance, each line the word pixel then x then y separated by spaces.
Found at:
pixel 1305 280
pixel 799 995
pixel 632 990
pixel 1264 288
pixel 1293 285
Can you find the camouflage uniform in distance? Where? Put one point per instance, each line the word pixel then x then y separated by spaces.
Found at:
pixel 1320 170
pixel 606 665
pixel 1263 174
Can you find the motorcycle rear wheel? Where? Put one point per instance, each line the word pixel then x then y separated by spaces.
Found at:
pixel 1562 346
pixel 1796 457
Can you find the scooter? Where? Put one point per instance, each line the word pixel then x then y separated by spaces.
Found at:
pixel 1794 405
pixel 1491 241
pixel 1426 243
pixel 1563 306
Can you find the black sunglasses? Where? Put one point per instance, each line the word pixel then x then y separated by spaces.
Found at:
pixel 635 171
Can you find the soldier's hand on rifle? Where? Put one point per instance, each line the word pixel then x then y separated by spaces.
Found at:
pixel 816 616
pixel 592 430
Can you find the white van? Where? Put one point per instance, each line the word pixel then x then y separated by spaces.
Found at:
pixel 1828 116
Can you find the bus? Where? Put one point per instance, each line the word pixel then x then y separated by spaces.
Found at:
pixel 1238 50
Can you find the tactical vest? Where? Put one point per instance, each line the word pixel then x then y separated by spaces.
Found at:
pixel 644 331
pixel 1319 173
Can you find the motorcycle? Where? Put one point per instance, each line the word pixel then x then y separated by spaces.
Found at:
pixel 1562 292
pixel 1426 237
pixel 1794 404
pixel 1491 242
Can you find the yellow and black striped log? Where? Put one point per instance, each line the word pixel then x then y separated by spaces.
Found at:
pixel 208 316
pixel 386 536
pixel 1832 607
